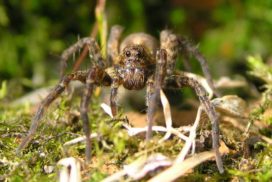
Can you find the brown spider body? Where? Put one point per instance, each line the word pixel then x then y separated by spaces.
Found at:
pixel 135 66
pixel 137 62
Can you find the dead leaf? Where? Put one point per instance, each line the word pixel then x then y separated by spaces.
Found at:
pixel 107 109
pixel 69 170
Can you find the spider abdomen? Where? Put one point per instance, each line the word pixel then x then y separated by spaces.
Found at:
pixel 149 42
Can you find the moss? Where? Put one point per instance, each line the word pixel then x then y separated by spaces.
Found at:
pixel 113 149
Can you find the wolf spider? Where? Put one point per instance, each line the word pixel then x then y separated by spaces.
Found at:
pixel 135 63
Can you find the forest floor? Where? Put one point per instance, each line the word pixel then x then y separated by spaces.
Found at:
pixel 181 146
pixel 245 143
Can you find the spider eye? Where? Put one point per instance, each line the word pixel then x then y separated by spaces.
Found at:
pixel 127 53
pixel 139 54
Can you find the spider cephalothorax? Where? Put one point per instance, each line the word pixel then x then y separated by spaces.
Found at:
pixel 137 62
pixel 135 66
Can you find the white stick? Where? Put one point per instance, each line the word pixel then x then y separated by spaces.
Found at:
pixel 167 116
pixel 191 138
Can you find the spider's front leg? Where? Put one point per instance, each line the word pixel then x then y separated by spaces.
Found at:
pixel 179 81
pixel 154 85
pixel 95 76
pixel 113 44
pixel 55 93
pixel 113 94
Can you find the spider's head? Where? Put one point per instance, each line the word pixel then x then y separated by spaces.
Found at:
pixel 135 63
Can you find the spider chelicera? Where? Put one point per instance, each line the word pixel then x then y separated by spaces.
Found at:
pixel 137 62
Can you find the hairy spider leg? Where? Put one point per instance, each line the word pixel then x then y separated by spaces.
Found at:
pixel 113 44
pixel 96 76
pixel 55 93
pixel 173 44
pixel 153 89
pixel 89 87
pixel 187 47
pixel 113 94
pixel 113 59
pixel 151 105
pixel 186 60
pixel 85 51
pixel 169 42
pixel 74 48
pixel 178 81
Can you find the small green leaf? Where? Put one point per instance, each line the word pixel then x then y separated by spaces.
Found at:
pixel 3 89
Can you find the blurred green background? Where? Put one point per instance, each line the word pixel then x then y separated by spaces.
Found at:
pixel 34 33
